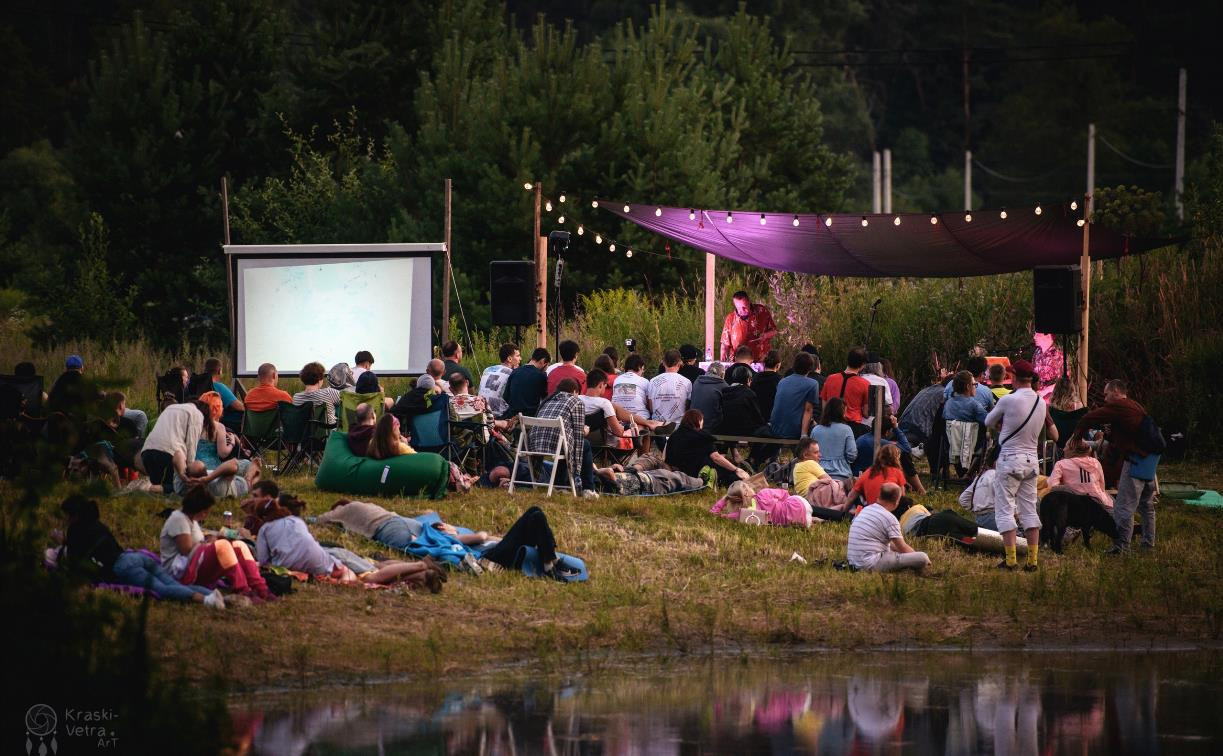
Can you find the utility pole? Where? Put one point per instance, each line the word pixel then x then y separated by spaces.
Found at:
pixel 887 181
pixel 1179 187
pixel 876 185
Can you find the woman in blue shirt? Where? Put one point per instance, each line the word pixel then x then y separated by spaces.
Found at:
pixel 836 440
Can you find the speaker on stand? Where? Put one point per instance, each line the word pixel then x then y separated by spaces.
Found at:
pixel 1057 299
pixel 511 287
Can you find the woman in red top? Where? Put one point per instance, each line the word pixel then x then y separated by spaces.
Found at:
pixel 886 469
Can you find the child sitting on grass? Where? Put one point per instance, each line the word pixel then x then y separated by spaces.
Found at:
pixel 875 541
pixel 1081 473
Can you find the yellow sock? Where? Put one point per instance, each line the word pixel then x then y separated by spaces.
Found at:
pixel 1010 556
pixel 1032 553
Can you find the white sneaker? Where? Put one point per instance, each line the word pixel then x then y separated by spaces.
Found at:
pixel 589 494
pixel 214 600
pixel 919 451
pixel 471 565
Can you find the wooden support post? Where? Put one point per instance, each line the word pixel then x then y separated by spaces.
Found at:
pixel 539 248
pixel 1085 323
pixel 878 419
pixel 446 274
pixel 712 341
pixel 229 281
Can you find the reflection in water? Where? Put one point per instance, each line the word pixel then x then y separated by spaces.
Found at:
pixel 937 703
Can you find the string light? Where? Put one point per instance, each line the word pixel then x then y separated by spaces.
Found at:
pixel 1002 214
pixel 627 209
pixel 1082 223
pixel 828 221
pixel 865 222
pixel 629 253
pixel 933 220
pixel 691 215
pixel 658 212
pixel 581 230
pixel 1074 205
pixel 730 217
pixel 795 221
pixel 611 247
pixel 762 220
pixel 561 198
pixel 594 204
pixel 548 206
pixel 1038 211
pixel 528 186
pixel 896 221
pixel 561 219
pixel 598 238
pixel 968 217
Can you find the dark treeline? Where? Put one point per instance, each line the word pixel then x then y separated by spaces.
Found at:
pixel 339 120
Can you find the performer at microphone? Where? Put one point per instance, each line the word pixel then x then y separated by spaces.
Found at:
pixel 750 324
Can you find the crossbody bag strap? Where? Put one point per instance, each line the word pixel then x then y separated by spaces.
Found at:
pixel 1021 425
pixel 844 383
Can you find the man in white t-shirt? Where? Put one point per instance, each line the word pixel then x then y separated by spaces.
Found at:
pixel 618 418
pixel 875 540
pixel 631 389
pixel 1020 416
pixel 872 371
pixel 495 377
pixel 669 391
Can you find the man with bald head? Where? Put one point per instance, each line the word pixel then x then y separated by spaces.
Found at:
pixel 266 395
pixel 875 540
pixel 434 370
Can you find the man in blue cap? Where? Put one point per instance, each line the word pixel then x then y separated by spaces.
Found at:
pixel 76 396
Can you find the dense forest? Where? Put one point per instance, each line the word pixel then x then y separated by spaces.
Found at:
pixel 339 121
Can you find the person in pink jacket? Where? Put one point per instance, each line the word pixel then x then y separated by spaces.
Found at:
pixel 1080 473
pixel 784 508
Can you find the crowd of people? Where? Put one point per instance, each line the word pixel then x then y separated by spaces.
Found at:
pixel 855 454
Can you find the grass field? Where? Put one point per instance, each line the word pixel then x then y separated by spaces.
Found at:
pixel 668 577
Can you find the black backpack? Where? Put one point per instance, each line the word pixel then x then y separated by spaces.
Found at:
pixel 1150 438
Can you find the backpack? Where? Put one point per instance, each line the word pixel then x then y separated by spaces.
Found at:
pixel 779 474
pixel 1150 438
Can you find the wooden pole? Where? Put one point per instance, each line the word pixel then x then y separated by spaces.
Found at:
pixel 712 348
pixel 876 184
pixel 446 273
pixel 1085 323
pixel 877 391
pixel 229 281
pixel 967 180
pixel 887 181
pixel 540 248
pixel 1179 186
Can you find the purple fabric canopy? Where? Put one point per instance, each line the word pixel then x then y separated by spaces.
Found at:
pixel 954 246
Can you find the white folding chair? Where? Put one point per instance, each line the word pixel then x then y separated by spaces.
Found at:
pixel 557 455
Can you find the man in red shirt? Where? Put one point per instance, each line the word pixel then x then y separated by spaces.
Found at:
pixel 851 387
pixel 265 396
pixel 567 368
pixel 749 325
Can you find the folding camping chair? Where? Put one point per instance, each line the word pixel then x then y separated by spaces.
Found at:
pixel 556 456
pixel 262 432
pixel 348 407
pixel 304 430
pixel 431 430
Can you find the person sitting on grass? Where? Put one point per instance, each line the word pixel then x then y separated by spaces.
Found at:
pixel 90 546
pixel 286 541
pixel 783 507
pixel 693 452
pixel 807 469
pixel 386 441
pixel 875 541
pixel 261 492
pixel 1080 472
pixel 171 444
pixel 196 559
pixel 889 433
pixel 836 441
pixel 213 465
pixel 978 496
pixel 313 375
pixel 886 469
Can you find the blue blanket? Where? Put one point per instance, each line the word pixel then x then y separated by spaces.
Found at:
pixel 447 548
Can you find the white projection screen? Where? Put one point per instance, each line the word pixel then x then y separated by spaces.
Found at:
pixel 297 307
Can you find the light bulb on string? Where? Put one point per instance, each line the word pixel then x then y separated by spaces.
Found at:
pixel 594 204
pixel 628 253
pixel 795 221
pixel 658 212
pixel 896 221
pixel 933 220
pixel 691 215
pixel 762 220
pixel 627 209
pixel 581 230
pixel 561 198
pixel 968 217
pixel 828 221
pixel 548 206
pixel 598 238
pixel 1082 222
pixel 1074 205
pixel 1038 210
pixel 865 222
pixel 1002 214
pixel 611 247
pixel 561 220
pixel 528 186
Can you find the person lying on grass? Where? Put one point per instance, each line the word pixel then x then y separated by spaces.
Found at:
pixel 90 547
pixel 260 492
pixel 637 482
pixel 285 541
pixel 875 541
pixel 784 508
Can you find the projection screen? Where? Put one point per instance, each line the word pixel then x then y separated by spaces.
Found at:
pixel 325 302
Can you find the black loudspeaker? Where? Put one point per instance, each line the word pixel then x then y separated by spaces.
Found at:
pixel 1057 298
pixel 512 292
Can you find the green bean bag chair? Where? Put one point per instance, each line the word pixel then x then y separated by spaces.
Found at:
pixel 422 474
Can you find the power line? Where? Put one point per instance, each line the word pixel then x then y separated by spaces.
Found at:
pixel 1135 161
